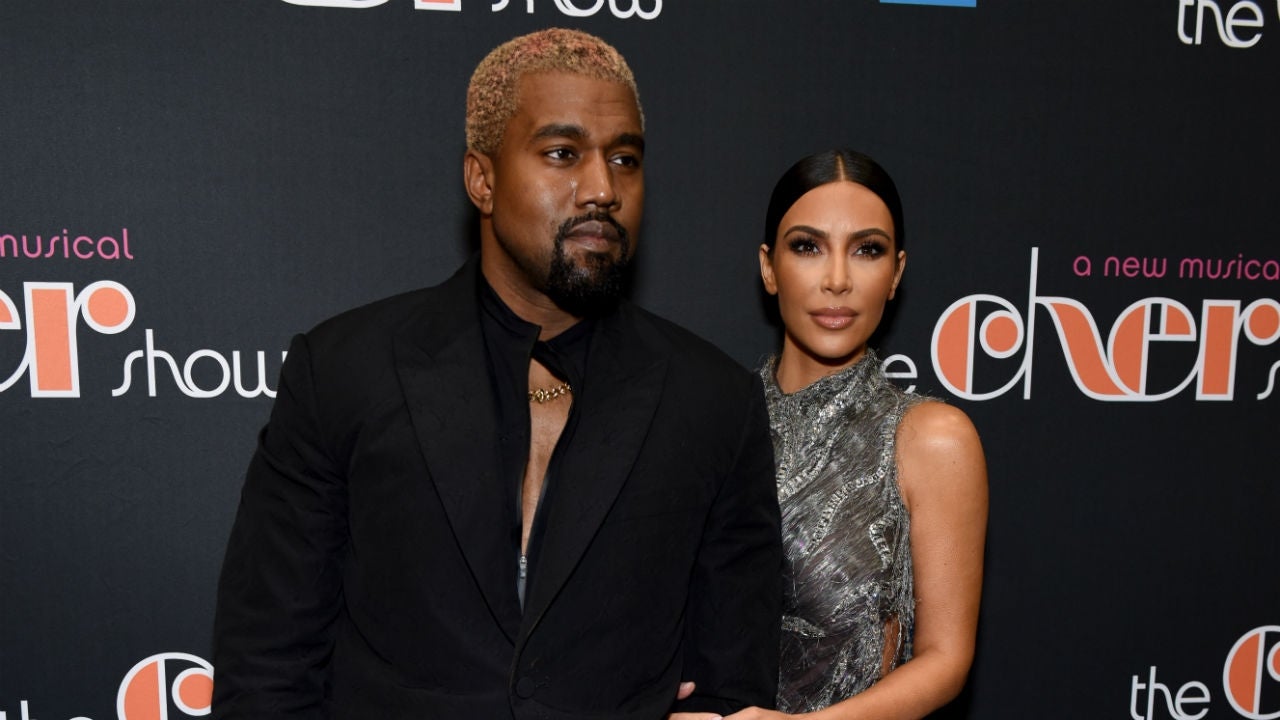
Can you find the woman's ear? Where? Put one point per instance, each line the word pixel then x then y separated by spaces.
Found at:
pixel 897 274
pixel 477 175
pixel 766 271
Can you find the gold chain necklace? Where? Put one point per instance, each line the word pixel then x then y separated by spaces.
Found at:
pixel 542 395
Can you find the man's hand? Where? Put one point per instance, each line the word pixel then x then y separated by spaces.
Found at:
pixel 685 690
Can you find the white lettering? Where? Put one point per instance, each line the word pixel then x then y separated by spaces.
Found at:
pixel 1271 382
pixel 568 8
pixel 1182 698
pixel 454 5
pixel 128 378
pixel 621 9
pixel 25 713
pixel 10 319
pixel 152 355
pixel 909 371
pixel 338 3
pixel 231 373
pixel 1173 703
pixel 194 390
pixel 1243 14
pixel 262 388
pixel 643 15
pixel 1253 22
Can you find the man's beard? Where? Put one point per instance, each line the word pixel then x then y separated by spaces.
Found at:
pixel 593 286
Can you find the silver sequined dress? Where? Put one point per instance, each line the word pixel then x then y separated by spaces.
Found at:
pixel 845 531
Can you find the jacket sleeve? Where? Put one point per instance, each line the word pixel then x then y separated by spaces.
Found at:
pixel 732 622
pixel 280 591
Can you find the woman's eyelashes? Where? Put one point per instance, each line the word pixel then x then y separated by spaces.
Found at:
pixel 872 248
pixel 869 247
pixel 803 245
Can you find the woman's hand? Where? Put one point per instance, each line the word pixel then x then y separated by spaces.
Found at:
pixel 755 713
pixel 684 691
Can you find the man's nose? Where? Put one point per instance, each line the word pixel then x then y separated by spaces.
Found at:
pixel 596 183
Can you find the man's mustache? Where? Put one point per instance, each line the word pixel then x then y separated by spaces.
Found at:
pixel 567 226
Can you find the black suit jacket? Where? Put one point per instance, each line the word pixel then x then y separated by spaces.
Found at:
pixel 370 573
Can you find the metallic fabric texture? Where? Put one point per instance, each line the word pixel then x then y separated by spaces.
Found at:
pixel 849 608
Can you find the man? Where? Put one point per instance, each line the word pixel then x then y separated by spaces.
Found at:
pixel 512 495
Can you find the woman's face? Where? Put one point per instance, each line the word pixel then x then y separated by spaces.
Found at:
pixel 834 266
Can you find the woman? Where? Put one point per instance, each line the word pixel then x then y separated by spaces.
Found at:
pixel 883 494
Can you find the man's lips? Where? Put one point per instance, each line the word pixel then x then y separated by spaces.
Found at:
pixel 594 233
pixel 834 318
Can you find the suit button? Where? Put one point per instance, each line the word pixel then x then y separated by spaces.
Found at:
pixel 525 687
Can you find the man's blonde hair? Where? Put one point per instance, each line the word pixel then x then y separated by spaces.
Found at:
pixel 491 96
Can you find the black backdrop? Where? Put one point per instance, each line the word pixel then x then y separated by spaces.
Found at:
pixel 273 163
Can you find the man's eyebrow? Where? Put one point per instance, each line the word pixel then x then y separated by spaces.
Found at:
pixel 569 131
pixel 634 140
pixel 560 130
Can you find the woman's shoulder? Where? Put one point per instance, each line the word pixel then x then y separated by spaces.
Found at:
pixel 938 445
pixel 932 421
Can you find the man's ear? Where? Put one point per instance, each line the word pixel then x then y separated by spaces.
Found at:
pixel 477 175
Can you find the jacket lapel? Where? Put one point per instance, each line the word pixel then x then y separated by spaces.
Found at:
pixel 442 370
pixel 622 386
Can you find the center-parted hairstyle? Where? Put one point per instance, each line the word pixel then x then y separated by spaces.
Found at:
pixel 831 166
pixel 491 96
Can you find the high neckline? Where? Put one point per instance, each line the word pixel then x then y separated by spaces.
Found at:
pixel 856 375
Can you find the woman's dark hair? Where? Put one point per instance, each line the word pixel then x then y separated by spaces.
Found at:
pixel 831 166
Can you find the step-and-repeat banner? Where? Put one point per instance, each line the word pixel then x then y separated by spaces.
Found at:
pixel 1091 193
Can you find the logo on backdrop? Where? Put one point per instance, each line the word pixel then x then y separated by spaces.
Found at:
pixel 82 247
pixel 942 3
pixel 621 9
pixel 967 348
pixel 1250 684
pixel 1251 675
pixel 161 687
pixel 55 313
pixel 1114 368
pixel 146 693
pixel 1236 23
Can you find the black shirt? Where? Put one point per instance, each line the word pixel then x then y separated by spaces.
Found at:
pixel 510 344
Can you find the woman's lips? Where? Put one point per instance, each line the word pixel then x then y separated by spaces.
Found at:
pixel 833 318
